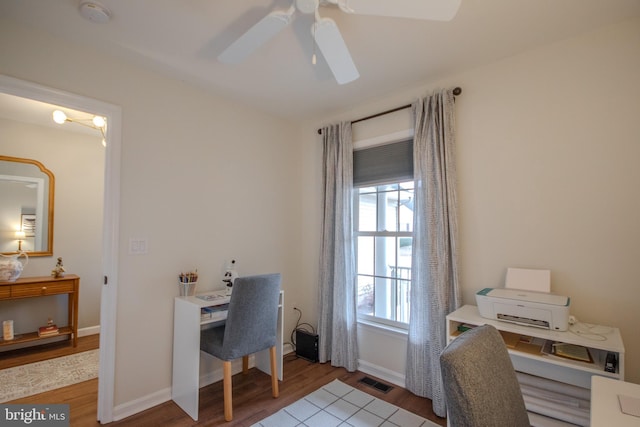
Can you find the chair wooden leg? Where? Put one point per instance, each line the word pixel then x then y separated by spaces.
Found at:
pixel 274 372
pixel 227 384
pixel 245 364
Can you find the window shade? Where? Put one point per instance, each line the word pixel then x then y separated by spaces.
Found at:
pixel 382 164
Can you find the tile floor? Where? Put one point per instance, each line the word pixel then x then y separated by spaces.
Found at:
pixel 340 405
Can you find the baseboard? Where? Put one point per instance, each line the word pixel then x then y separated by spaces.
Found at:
pixel 382 373
pixel 287 348
pixel 143 403
pixel 91 330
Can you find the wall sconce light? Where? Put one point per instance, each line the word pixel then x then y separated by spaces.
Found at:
pixel 97 122
pixel 20 235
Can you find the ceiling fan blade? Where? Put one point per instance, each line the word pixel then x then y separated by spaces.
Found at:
pixel 256 36
pixel 334 50
pixel 434 10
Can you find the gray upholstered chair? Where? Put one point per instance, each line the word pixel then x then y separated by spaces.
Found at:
pixel 250 327
pixel 480 384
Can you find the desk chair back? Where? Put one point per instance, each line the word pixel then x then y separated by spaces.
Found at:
pixel 251 326
pixel 480 384
pixel 252 318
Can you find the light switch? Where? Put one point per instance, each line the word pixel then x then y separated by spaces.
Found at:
pixel 137 246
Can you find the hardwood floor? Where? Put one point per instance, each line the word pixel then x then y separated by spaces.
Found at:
pixel 252 399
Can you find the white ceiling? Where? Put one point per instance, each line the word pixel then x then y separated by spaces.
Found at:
pixel 182 39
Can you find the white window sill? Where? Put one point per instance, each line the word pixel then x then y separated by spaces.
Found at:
pixel 381 327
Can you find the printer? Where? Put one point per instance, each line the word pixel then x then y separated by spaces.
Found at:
pixel 529 308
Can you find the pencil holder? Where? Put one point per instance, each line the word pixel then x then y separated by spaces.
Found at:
pixel 187 288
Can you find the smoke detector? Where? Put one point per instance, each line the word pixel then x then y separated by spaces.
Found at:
pixel 94 12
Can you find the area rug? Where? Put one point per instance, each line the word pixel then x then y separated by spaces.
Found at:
pixel 338 404
pixel 38 377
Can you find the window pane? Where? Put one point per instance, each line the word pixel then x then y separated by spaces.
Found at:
pixel 387 187
pixel 385 256
pixel 404 289
pixel 384 298
pixel 389 216
pixel 385 215
pixel 390 299
pixel 365 255
pixel 367 212
pixel 406 211
pixel 365 295
pixel 403 269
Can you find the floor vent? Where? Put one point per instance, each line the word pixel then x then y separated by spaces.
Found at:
pixel 385 388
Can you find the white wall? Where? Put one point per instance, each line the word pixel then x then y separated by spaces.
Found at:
pixel 547 142
pixel 204 180
pixel 547 146
pixel 77 163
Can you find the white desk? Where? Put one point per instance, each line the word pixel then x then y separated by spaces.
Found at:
pixel 562 370
pixel 187 324
pixel 605 408
pixel 553 368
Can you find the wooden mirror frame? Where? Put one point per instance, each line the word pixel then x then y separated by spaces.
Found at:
pixel 49 237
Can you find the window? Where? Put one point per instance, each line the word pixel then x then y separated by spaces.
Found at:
pixel 384 233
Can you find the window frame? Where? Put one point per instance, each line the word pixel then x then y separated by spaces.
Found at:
pixel 368 318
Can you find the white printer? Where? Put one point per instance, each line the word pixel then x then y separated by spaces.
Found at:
pixel 529 308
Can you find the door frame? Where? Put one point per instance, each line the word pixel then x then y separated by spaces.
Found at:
pixel 110 240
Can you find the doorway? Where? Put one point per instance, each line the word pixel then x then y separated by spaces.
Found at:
pixel 112 114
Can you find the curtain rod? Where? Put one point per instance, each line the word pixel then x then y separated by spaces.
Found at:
pixel 456 91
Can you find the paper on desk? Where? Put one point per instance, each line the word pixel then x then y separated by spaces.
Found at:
pixel 529 280
pixel 629 405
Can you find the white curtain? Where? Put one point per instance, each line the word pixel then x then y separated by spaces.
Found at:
pixel 337 323
pixel 435 290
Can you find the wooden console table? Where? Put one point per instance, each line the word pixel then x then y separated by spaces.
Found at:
pixel 29 287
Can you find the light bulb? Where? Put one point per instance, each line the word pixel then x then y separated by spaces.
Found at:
pixel 98 121
pixel 59 117
pixel 313 59
pixel 104 142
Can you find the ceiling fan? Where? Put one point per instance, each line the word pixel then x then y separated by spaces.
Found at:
pixel 325 32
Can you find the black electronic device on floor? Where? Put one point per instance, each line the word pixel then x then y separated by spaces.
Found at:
pixel 307 345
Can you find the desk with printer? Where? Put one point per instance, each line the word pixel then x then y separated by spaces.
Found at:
pixel 554 359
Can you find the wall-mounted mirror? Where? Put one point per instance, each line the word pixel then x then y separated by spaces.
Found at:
pixel 26 207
